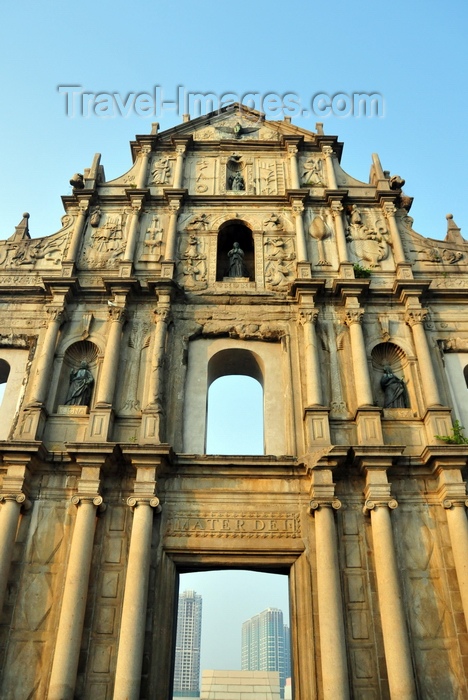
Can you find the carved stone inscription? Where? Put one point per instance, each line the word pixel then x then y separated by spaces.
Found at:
pixel 219 524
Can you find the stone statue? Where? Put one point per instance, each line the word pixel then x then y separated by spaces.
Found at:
pixel 236 267
pixel 394 390
pixel 81 384
pixel 237 182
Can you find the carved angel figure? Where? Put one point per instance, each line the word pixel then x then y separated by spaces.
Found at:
pixel 237 131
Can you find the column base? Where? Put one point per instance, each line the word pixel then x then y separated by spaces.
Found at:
pixel 151 420
pixel 168 269
pixel 437 421
pixel 126 268
pixel 317 427
pixel 304 271
pixel 346 271
pixel 369 426
pixel 101 422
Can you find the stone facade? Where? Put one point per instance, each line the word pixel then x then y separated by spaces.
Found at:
pixel 112 330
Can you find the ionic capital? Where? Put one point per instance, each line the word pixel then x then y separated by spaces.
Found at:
pixel 414 317
pixel 20 498
pixel 316 504
pixel 371 504
pixel 449 503
pixel 180 150
pixel 150 501
pixel 97 501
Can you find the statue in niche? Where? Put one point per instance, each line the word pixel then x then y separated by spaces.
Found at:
pixel 236 267
pixel 312 174
pixel 394 388
pixel 81 386
pixel 237 182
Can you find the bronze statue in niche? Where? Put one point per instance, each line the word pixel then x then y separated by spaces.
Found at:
pixel 81 386
pixel 394 388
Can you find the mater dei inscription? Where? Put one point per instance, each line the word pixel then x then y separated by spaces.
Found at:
pixel 219 524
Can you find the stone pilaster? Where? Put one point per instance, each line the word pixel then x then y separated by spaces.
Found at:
pixel 293 167
pixel 315 414
pixel 331 176
pixel 132 234
pixel 143 171
pixel 379 503
pixel 70 629
pixel 337 208
pixel 152 414
pixel 301 246
pixel 171 240
pixel 179 165
pixel 389 210
pixel 78 229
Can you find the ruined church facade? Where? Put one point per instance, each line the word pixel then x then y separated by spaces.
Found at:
pixel 234 246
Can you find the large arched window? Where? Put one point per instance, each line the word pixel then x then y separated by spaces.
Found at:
pixel 234 232
pixel 4 373
pixel 235 404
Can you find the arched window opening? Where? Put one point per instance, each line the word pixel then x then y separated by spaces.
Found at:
pixel 465 374
pixel 4 374
pixel 235 404
pixel 230 233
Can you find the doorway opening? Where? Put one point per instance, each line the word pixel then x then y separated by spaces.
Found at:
pixel 233 622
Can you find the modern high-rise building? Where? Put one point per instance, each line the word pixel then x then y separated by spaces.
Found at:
pixel 266 644
pixel 188 645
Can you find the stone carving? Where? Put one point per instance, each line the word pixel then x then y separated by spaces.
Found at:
pixel 243 331
pixel 436 255
pixel 312 175
pixel 37 252
pixel 454 345
pixel 237 131
pixel 234 179
pixel 106 243
pixel 77 181
pixel 201 179
pixel 153 241
pixel 222 524
pixel 199 223
pixel 193 265
pixel 138 340
pixel 161 171
pixel 273 223
pixel 81 385
pixel 279 269
pixel 367 243
pixel 236 182
pixel 394 388
pixel 95 217
pixel 266 183
pixel 236 266
pixel 319 230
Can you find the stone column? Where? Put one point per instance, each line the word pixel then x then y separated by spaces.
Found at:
pixel 415 318
pixel 133 624
pixel 328 153
pixel 330 604
pixel 144 157
pixel 74 246
pixel 337 213
pixel 308 318
pixel 452 492
pixel 292 153
pixel 179 166
pixel 353 319
pixel 70 629
pixel 132 235
pixel 171 240
pixel 398 252
pixel 395 634
pixel 151 418
pixel 9 519
pixel 298 209
pixel 107 380
pixel 41 379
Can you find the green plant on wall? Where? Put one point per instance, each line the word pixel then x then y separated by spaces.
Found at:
pixel 360 271
pixel 457 437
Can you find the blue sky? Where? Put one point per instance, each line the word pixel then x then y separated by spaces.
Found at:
pixel 413 54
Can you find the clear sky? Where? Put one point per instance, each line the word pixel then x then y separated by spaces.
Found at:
pixel 415 55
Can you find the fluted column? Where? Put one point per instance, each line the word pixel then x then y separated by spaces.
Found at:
pixel 70 629
pixel 328 153
pixel 132 235
pixel 395 635
pixel 329 597
pixel 415 318
pixel 133 623
pixel 308 318
pixel 142 174
pixel 73 248
pixel 298 209
pixel 353 319
pixel 398 252
pixel 41 381
pixel 337 213
pixel 171 241
pixel 179 166
pixel 108 376
pixel 292 153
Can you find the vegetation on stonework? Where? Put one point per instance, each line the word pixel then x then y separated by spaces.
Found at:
pixel 360 271
pixel 457 437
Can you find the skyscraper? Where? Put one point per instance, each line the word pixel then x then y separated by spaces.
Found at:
pixel 266 644
pixel 188 643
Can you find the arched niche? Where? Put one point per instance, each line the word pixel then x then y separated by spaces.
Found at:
pixel 211 358
pixel 76 353
pixel 390 355
pixel 234 231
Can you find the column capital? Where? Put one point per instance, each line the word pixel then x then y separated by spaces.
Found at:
pixel 370 504
pixel 297 207
pixel 292 150
pixel 327 150
pixel 161 314
pixel 78 498
pixel 308 316
pixel 145 150
pixel 151 501
pixel 336 208
pixel 20 498
pixel 57 313
pixel 388 208
pixel 117 313
pixel 413 317
pixel 318 503
pixel 351 316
